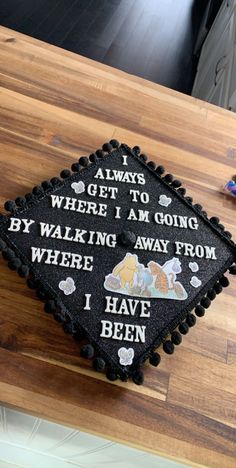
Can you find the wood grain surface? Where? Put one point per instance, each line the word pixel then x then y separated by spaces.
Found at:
pixel 54 107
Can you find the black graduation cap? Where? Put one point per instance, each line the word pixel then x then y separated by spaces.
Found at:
pixel 120 256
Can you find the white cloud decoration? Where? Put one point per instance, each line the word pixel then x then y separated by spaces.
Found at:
pixel 164 200
pixel 193 266
pixel 78 187
pixel 126 356
pixel 195 282
pixel 67 286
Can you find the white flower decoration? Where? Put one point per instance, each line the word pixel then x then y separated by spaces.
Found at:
pixel 193 266
pixel 67 286
pixel 78 187
pixel 164 200
pixel 195 282
pixel 126 356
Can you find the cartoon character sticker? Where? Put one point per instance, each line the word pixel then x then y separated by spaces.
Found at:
pixel 132 278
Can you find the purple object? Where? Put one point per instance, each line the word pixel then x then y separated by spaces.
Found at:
pixel 231 187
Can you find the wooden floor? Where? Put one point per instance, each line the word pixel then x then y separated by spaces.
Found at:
pixel 153 39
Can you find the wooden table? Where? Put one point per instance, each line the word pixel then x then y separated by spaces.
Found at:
pixel 55 106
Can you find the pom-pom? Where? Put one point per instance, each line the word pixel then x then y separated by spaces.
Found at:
pixel 107 147
pixel 114 143
pixel 138 377
pixel 143 157
pixel 8 254
pixel 218 288
pixel 204 213
pixel 198 207
pixel 160 170
pixel 68 327
pixel 99 364
pixel 232 269
pixel 14 264
pixel 176 183
pixel 32 283
pixel 224 281
pixel 111 375
pixel 84 161
pixel 75 167
pixel 10 206
pixel 2 245
pixel 191 320
pixel 168 178
pixel 152 165
pixel 189 199
pixel 183 328
pixel 181 191
pixel 65 174
pixel 56 181
pixel 214 220
pixel 205 302
pixel 127 238
pixel 155 359
pixel 176 338
pixel 47 185
pixel 137 149
pixel 199 310
pixel 23 271
pixel 228 234
pixel 221 226
pixel 87 351
pixel 93 158
pixel 59 316
pixel 168 347
pixel 42 295
pixel 50 306
pixel 29 197
pixel 20 201
pixel 100 154
pixel 211 294
pixel 38 191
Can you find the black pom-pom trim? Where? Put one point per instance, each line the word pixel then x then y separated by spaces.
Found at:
pixel 181 191
pixel 68 327
pixel 107 147
pixel 75 167
pixel 168 178
pixel 228 234
pixel 29 197
pixel 32 283
pixel 232 269
pixel 214 220
pixel 38 191
pixel 218 288
pixel 10 206
pixel 99 364
pixel 111 375
pixel 191 320
pixel 93 158
pixel 20 201
pixel 155 359
pixel 189 199
pixel 137 149
pixel 87 351
pixel 59 316
pixel 50 306
pixel 183 328
pixel 8 254
pixel 47 185
pixel 114 143
pixel 199 310
pixel 100 154
pixel 168 347
pixel 42 295
pixel 160 170
pixel 56 181
pixel 138 377
pixel 221 226
pixel 65 174
pixel 224 281
pixel 211 294
pixel 143 157
pixel 152 165
pixel 23 271
pixel 14 264
pixel 198 207
pixel 84 161
pixel 205 302
pixel 2 245
pixel 176 338
pixel 176 183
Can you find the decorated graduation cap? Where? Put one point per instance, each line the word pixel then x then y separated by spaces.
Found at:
pixel 121 257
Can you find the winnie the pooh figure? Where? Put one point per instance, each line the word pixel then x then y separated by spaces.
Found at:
pixel 126 270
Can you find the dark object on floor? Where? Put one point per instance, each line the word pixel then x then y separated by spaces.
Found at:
pixel 152 39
